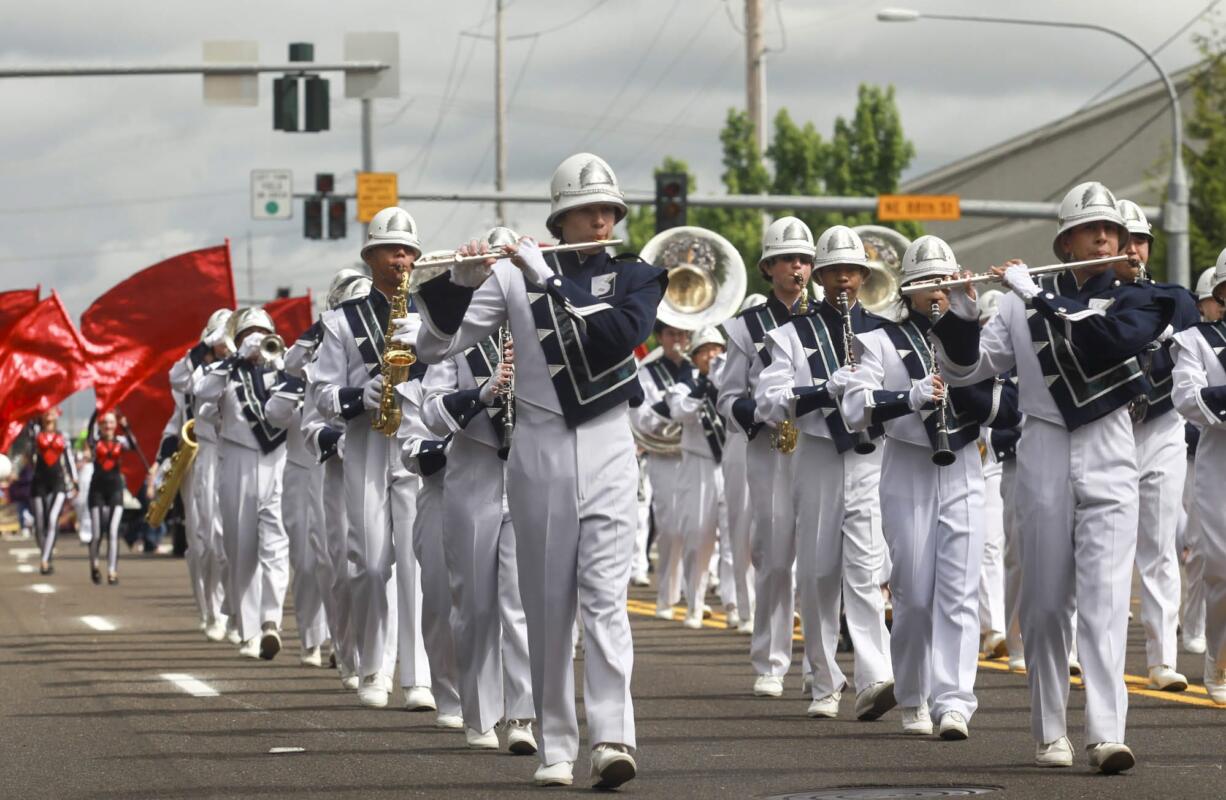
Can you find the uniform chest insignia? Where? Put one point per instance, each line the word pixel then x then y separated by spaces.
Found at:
pixel 603 285
pixel 1101 303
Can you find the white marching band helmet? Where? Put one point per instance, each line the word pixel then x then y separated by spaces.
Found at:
pixel 392 225
pixel 1087 202
pixel 501 236
pixel 1134 219
pixel 839 245
pixel 1204 284
pixel 705 336
pixel 928 257
pixel 1219 273
pixel 787 236
pixel 348 283
pixel 582 180
pixel 244 319
pixel 989 303
pixel 215 327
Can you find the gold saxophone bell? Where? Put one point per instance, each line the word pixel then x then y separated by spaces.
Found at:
pixel 180 462
pixel 396 362
pixel 785 437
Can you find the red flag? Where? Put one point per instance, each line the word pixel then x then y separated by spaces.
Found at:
pixel 42 361
pixel 291 315
pixel 139 328
pixel 13 306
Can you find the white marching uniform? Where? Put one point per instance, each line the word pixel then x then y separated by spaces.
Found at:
pixel 1076 489
pixel 303 514
pixel 380 496
pixel 252 457
pixel 768 479
pixel 487 615
pixel 736 518
pixel 835 540
pixel 572 475
pixel 992 616
pixel 656 375
pixel 1200 395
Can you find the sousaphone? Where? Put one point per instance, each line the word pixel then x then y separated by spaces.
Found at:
pixel 884 248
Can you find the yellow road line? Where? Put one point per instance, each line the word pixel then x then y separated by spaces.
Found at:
pixel 1136 684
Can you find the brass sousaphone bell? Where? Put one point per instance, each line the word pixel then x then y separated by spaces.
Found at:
pixel 884 248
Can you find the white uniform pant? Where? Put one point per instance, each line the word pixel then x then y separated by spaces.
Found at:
pixel 700 484
pixel 739 526
pixel 204 530
pixel 665 472
pixel 773 552
pixel 433 596
pixel 1194 564
pixel 338 599
pixel 194 556
pixel 1210 466
pixel 639 567
pixel 257 548
pixel 1013 560
pixel 1163 463
pixel 487 616
pixel 838 546
pixel 933 521
pixel 992 573
pixel 1077 515
pixel 302 506
pixel 572 497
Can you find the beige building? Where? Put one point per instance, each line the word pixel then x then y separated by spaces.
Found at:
pixel 1124 142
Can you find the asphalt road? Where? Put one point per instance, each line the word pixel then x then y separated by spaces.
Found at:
pixel 89 713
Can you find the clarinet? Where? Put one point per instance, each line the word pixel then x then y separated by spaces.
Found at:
pixel 942 456
pixel 508 396
pixel 864 444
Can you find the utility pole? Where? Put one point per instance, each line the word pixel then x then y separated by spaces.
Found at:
pixel 755 72
pixel 500 112
pixel 368 157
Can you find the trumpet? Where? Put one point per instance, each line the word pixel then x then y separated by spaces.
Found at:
pixel 948 283
pixel 455 259
pixel 272 347
pixel 942 456
pixel 864 443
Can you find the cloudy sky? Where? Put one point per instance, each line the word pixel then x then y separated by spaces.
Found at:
pixel 103 176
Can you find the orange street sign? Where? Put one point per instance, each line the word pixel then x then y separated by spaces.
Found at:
pixel 897 207
pixel 376 191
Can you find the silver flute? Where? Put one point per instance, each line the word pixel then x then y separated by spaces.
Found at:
pixel 948 283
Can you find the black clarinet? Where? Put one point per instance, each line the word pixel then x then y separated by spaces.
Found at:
pixel 508 397
pixel 864 443
pixel 942 456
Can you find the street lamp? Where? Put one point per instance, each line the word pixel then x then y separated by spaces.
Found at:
pixel 1175 211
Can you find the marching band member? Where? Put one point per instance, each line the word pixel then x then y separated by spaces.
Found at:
pixel 571 474
pixel 106 494
pixel 55 473
pixel 326 443
pixel 787 263
pixel 380 496
pixel 252 454
pixel 207 566
pixel 1162 462
pixel 932 497
pixel 1076 494
pixel 700 483
pixel 1200 395
pixel 836 538
pixel 658 373
pixel 303 513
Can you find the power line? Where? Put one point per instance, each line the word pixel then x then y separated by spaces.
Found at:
pixel 562 26
pixel 123 201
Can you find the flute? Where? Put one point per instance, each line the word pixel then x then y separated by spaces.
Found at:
pixel 947 283
pixel 500 252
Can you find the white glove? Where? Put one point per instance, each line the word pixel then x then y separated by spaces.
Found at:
pixel 470 275
pixel 340 447
pixel 921 392
pixel 963 305
pixel 373 393
pixel 839 380
pixel 1167 333
pixel 1017 278
pixel 406 328
pixel 249 347
pixel 535 269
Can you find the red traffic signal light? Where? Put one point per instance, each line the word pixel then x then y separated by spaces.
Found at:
pixel 338 221
pixel 313 218
pixel 671 189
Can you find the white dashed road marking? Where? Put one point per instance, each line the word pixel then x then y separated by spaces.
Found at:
pixel 42 588
pixel 194 687
pixel 98 623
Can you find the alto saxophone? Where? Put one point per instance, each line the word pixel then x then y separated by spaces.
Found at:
pixel 180 461
pixel 785 436
pixel 396 362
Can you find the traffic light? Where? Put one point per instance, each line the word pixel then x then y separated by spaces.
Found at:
pixel 325 183
pixel 670 199
pixel 313 218
pixel 316 103
pixel 285 104
pixel 338 220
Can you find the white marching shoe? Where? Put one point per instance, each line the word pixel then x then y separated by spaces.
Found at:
pixel 733 620
pixel 693 623
pixel 661 613
pixel 1054 754
pixel 639 580
pixel 372 692
pixel 612 765
pixel 825 707
pixel 311 657
pixel 768 686
pixel 349 680
pixel 216 631
pixel 1194 644
pixel 1111 757
pixel 476 740
pixel 1017 663
pixel 953 727
pixel 520 740
pixel 916 722
pixel 994 645
pixel 1165 679
pixel 1215 682
pixel 745 627
pixel 450 722
pixel 559 774
pixel 232 634
pixel 419 698
pixel 875 701
pixel 250 648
